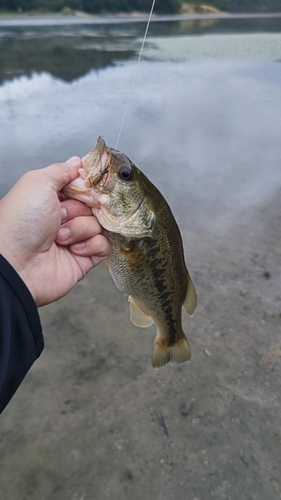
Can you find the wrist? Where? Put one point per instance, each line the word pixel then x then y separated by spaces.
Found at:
pixel 18 266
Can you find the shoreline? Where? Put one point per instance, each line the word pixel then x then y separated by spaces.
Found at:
pixel 59 19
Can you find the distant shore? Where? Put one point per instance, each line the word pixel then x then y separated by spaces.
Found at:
pixel 21 19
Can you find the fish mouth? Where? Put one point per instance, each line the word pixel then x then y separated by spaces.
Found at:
pixel 97 169
pixel 97 180
pixel 77 190
pixel 93 176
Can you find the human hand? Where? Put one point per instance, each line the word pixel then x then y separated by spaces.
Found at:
pixel 50 242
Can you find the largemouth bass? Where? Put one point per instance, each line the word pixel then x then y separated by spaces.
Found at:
pixel 147 260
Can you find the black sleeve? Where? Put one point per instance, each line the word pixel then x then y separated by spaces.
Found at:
pixel 21 339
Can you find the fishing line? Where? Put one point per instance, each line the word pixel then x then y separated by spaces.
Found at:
pixel 135 75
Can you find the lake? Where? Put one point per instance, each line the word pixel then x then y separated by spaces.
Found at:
pixel 93 419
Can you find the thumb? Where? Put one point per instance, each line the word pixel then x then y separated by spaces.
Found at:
pixel 63 173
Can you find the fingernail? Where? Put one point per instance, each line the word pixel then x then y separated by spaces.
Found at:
pixel 64 233
pixel 63 214
pixel 79 246
pixel 75 160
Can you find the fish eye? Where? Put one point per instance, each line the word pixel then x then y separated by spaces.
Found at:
pixel 125 173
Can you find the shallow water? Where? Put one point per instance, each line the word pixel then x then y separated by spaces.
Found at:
pixel 92 418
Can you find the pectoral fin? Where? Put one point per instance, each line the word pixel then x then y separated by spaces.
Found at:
pixel 190 302
pixel 137 316
pixel 177 353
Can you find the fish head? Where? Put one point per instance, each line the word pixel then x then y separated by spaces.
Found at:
pixel 116 190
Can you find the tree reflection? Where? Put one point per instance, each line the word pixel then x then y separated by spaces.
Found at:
pixel 64 57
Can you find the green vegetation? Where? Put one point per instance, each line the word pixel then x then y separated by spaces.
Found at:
pixel 91 6
pixel 161 6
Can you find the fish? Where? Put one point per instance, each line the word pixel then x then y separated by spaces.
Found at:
pixel 147 258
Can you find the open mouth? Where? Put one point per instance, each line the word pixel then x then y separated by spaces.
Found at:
pixel 84 187
pixel 94 176
pixel 97 180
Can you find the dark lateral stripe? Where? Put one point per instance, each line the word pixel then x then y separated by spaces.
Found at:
pixel 161 286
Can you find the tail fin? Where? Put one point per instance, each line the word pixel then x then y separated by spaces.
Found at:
pixel 177 353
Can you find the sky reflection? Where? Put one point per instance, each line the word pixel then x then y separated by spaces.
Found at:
pixel 207 132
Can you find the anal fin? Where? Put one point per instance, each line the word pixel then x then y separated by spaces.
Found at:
pixel 137 316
